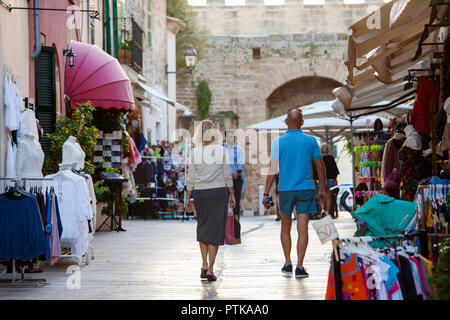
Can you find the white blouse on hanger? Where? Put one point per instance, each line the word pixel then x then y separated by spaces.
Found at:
pixel 11 156
pixel 12 108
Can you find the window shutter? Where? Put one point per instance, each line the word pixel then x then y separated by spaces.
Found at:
pixel 45 86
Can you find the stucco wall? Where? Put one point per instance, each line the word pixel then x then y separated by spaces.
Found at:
pixel 14 47
pixel 154 62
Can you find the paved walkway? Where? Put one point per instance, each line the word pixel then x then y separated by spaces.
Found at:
pixel 161 260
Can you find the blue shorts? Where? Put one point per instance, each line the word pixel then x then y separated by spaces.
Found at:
pixel 304 201
pixel 330 183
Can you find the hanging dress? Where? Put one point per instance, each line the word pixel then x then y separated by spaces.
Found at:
pixel 411 162
pixel 353 280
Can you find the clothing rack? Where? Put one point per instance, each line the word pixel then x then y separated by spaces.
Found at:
pixel 422 188
pixel 22 282
pixel 365 239
pixel 14 282
pixel 184 217
pixel 421 225
pixel 72 166
pixel 152 157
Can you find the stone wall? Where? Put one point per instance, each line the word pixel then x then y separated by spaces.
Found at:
pixel 241 83
pixel 262 60
pixel 292 18
pixel 298 92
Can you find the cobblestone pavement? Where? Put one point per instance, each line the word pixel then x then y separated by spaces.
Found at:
pixel 161 260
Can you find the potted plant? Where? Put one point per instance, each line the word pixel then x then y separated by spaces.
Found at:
pixel 125 51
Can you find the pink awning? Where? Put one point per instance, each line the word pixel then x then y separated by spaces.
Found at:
pixel 98 78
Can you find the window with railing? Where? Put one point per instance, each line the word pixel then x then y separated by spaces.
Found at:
pixel 131 43
pixel 136 45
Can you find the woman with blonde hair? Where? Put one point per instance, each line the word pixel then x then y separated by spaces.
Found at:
pixel 207 179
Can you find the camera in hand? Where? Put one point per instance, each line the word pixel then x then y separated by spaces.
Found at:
pixel 269 200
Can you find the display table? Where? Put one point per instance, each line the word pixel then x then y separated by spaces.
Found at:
pixel 113 179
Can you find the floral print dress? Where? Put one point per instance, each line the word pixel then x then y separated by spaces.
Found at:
pixel 411 162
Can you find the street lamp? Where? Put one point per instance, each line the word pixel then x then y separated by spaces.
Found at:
pixel 71 56
pixel 190 58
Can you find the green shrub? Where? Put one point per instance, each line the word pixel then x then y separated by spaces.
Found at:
pixel 203 99
pixel 78 125
pixel 441 274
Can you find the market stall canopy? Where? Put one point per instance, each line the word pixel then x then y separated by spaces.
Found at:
pixel 330 123
pixel 328 129
pixel 323 109
pixel 98 78
pixel 386 48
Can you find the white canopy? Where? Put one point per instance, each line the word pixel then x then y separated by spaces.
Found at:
pixel 329 123
pixel 330 130
pixel 325 109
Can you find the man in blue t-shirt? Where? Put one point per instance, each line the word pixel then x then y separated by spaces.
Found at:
pixel 293 153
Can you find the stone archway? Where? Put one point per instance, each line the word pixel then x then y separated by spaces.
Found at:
pixel 298 92
pixel 277 77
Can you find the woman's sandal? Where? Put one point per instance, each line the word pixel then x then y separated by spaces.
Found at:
pixel 203 273
pixel 211 277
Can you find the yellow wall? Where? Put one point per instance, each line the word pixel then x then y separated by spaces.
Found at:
pixel 14 50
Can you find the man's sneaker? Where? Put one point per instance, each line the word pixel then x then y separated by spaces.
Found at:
pixel 300 272
pixel 287 269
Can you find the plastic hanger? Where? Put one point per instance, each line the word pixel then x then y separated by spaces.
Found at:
pixel 15 193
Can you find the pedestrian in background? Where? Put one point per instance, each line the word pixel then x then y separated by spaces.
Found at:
pixel 236 157
pixel 208 178
pixel 332 173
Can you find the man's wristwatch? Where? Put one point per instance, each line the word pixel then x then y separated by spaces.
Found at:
pixel 265 195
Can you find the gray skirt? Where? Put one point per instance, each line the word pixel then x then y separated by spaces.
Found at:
pixel 211 206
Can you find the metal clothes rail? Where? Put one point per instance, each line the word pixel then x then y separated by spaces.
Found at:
pixel 22 282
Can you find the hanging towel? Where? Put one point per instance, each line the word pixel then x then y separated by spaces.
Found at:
pixel 48 224
pixel 427 91
pixel 55 247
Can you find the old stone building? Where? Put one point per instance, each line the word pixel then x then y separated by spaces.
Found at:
pixel 262 60
pixel 145 26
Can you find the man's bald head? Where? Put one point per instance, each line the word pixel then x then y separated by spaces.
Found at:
pixel 294 119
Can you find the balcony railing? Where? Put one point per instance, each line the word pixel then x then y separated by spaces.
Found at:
pixel 131 44
pixel 136 45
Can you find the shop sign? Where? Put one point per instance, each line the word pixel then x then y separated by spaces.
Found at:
pixel 326 229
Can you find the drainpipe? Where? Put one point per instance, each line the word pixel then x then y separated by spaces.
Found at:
pixel 37 30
